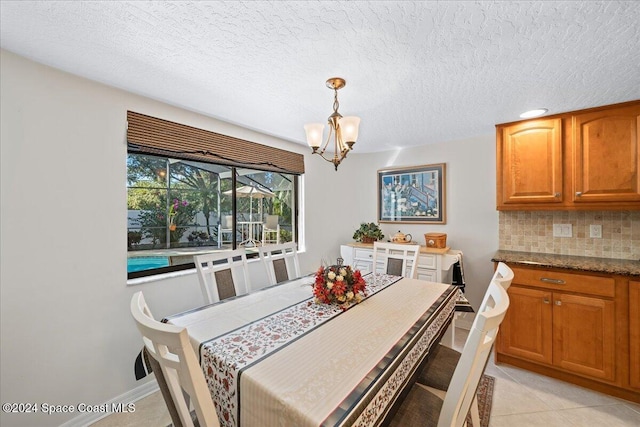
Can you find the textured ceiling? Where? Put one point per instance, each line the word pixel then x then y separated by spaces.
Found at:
pixel 417 72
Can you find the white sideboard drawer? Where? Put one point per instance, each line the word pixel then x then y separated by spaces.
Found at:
pixel 428 261
pixel 366 254
pixel 362 265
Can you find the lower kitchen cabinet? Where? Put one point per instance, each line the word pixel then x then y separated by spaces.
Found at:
pixel 634 334
pixel 579 327
pixel 583 335
pixel 527 327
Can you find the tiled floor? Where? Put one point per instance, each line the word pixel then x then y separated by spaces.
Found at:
pixel 520 399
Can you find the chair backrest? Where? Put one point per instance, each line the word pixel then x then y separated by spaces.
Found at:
pixel 222 274
pixel 274 259
pixel 503 275
pixel 271 222
pixel 395 258
pixel 227 222
pixel 169 345
pixel 466 377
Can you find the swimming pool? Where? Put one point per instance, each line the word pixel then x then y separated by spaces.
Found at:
pixel 146 263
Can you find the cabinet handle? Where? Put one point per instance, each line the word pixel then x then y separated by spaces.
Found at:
pixel 557 194
pixel 578 193
pixel 546 300
pixel 554 281
pixel 558 302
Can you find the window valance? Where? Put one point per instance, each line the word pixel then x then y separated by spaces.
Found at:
pixel 150 135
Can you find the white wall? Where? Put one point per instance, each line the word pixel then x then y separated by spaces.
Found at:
pixel 471 216
pixel 66 332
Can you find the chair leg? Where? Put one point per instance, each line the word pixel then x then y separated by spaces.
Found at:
pixel 475 413
pixel 453 330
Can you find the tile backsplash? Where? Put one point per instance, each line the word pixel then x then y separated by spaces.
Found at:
pixel 532 231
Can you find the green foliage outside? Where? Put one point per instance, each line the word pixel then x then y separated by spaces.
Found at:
pixel 202 189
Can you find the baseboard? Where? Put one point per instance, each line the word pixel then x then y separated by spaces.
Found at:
pixel 131 396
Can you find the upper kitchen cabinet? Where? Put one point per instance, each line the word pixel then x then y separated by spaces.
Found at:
pixel 606 156
pixel 580 160
pixel 530 159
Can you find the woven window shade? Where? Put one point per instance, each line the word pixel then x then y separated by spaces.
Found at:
pixel 150 135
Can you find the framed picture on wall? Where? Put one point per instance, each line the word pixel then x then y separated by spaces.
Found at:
pixel 413 194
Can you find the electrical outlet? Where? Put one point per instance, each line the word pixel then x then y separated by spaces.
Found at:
pixel 595 231
pixel 562 230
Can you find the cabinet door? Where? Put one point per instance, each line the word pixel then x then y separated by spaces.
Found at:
pixel 428 275
pixel 583 335
pixel 606 158
pixel 346 252
pixel 634 333
pixel 363 260
pixel 526 329
pixel 530 169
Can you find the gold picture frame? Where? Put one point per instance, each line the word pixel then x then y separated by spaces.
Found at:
pixel 412 194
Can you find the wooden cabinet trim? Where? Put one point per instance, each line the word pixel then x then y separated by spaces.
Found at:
pixel 634 334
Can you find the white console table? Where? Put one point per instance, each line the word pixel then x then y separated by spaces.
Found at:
pixel 434 265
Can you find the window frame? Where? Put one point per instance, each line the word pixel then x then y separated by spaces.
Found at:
pixel 234 207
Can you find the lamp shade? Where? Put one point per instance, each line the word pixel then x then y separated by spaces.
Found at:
pixel 314 134
pixel 349 128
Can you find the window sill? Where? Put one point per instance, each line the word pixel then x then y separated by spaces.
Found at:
pixel 159 277
pixel 172 275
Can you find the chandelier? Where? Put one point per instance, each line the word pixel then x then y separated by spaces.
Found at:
pixel 343 129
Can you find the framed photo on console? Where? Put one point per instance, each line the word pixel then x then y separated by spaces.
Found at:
pixel 413 194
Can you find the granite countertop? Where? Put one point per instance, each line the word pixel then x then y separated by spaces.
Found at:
pixel 625 267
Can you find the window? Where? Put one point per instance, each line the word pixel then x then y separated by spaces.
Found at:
pixel 178 208
pixel 191 190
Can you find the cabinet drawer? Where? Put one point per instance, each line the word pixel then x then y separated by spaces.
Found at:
pixel 570 282
pixel 427 261
pixel 363 254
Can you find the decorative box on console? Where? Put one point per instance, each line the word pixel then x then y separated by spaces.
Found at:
pixel 435 240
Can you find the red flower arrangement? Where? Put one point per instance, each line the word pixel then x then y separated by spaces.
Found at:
pixel 340 285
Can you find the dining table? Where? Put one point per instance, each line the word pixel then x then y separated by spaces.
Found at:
pixel 276 356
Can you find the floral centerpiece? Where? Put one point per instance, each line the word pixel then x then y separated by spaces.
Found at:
pixel 340 285
pixel 173 212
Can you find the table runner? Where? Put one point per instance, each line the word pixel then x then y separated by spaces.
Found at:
pixel 351 370
pixel 223 358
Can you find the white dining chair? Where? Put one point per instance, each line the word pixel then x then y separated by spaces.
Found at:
pixel 428 406
pixel 225 228
pixel 443 360
pixel 396 258
pixel 171 348
pixel 269 227
pixel 504 275
pixel 222 274
pixel 280 261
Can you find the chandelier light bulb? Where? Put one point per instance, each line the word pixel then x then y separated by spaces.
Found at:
pixel 314 133
pixel 349 127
